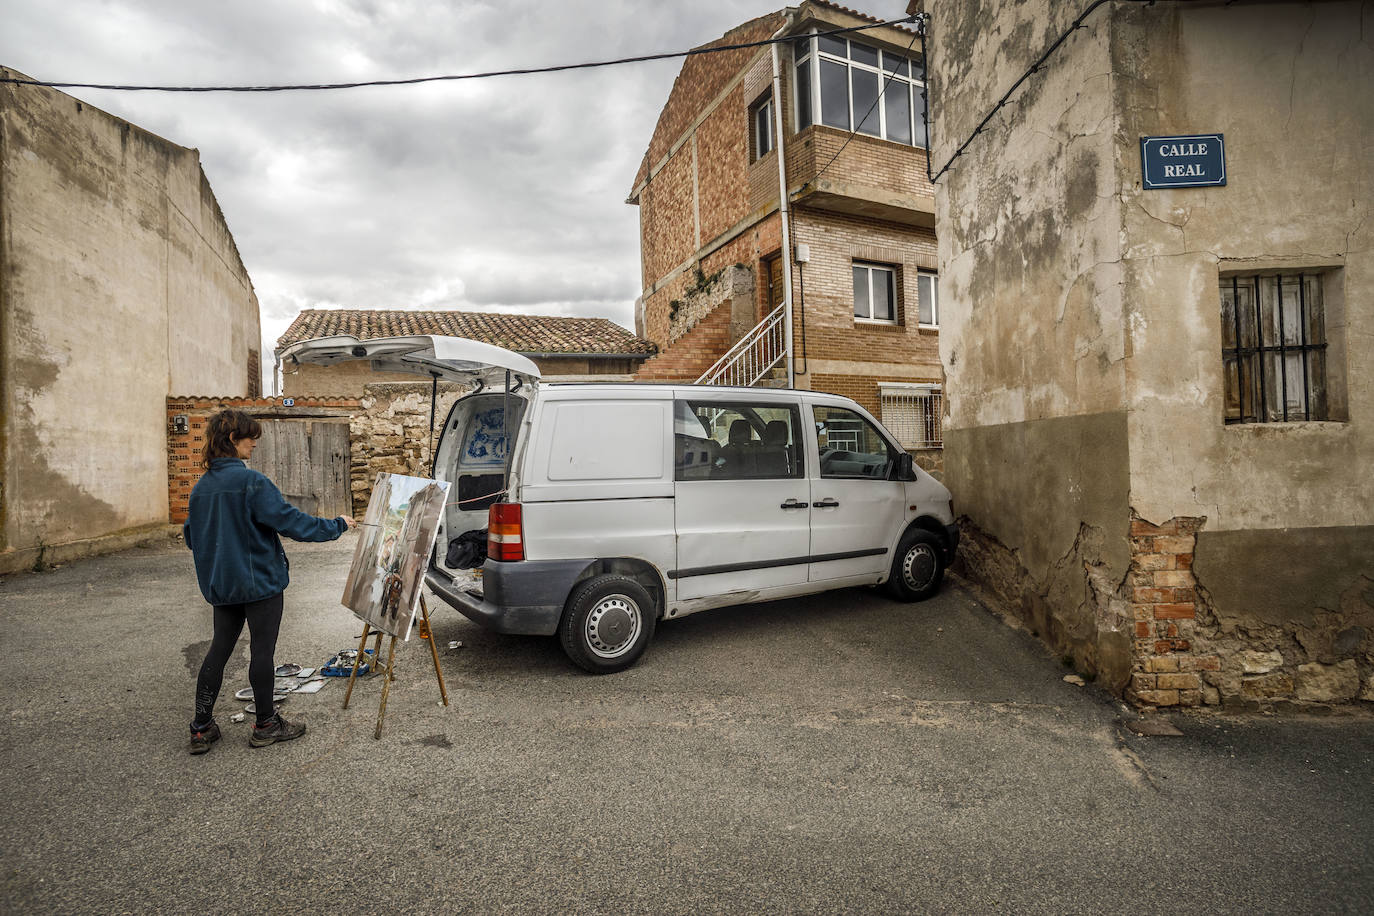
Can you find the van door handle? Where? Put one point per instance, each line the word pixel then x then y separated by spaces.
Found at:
pixel 827 504
pixel 793 504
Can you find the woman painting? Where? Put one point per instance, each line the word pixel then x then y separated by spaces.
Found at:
pixel 236 515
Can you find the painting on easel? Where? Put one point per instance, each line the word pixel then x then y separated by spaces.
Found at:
pixel 397 536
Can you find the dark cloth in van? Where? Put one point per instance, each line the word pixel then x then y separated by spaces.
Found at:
pixel 468 550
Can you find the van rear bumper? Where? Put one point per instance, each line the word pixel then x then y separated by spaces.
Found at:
pixel 524 598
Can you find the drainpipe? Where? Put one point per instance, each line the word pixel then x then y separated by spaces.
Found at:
pixel 782 211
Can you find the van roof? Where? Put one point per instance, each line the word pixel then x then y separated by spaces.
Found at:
pixel 679 388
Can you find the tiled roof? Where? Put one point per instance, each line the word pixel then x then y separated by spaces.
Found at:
pixel 865 16
pixel 520 333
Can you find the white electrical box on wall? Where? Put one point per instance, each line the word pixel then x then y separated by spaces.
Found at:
pixel 803 252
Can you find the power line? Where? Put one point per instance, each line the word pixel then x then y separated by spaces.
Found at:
pixel 1034 68
pixel 854 132
pixel 518 71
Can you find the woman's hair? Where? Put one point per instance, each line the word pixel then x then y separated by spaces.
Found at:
pixel 225 427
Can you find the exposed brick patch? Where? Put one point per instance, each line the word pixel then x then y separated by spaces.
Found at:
pixel 1164 606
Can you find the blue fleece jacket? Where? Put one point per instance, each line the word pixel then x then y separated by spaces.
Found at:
pixel 235 516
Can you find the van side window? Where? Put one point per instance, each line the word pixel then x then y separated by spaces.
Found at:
pixel 850 445
pixel 736 441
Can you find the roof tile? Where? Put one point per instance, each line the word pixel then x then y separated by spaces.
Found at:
pixel 520 333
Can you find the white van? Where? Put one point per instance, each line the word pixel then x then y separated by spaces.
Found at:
pixel 609 507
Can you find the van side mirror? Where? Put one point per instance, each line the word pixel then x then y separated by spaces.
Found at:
pixel 905 469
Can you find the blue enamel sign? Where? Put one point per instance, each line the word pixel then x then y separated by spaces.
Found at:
pixel 1193 161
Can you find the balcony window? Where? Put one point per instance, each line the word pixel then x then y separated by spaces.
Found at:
pixel 854 86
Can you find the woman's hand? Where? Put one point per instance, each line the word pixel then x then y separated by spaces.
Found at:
pixel 350 521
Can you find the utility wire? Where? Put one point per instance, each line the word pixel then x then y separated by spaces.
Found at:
pixel 520 71
pixel 1035 67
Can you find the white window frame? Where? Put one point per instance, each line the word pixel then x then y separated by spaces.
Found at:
pixel 891 272
pixel 913 86
pixel 934 299
pixel 921 430
pixel 764 108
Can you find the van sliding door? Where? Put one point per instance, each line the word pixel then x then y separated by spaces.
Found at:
pixel 741 497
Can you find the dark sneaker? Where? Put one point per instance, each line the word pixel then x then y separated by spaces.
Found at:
pixel 203 738
pixel 277 729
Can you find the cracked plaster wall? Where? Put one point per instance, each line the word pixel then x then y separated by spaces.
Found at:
pixel 1032 341
pixel 1286 553
pixel 120 284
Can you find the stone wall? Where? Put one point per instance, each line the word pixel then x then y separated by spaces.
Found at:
pixel 390 433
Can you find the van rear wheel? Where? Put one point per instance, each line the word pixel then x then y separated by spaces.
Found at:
pixel 607 623
pixel 917 568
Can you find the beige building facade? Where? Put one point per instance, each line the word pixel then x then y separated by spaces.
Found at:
pixel 1165 486
pixel 119 284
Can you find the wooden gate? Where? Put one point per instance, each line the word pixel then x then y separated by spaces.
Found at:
pixel 309 461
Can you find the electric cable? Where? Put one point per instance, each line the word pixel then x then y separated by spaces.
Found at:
pixel 854 132
pixel 1077 24
pixel 517 71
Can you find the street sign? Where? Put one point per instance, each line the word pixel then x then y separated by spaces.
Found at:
pixel 1192 161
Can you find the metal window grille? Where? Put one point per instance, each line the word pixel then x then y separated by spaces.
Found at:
pixel 912 414
pixel 1273 348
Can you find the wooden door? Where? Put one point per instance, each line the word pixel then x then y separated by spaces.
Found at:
pixel 308 460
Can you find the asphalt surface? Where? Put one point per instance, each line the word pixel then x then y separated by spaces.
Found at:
pixel 841 753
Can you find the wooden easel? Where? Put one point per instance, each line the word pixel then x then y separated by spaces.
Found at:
pixel 425 633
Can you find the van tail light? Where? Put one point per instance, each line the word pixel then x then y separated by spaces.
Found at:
pixel 505 539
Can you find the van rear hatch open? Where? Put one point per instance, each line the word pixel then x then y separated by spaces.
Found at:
pixel 452 359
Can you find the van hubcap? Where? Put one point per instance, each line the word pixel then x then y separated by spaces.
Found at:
pixel 918 566
pixel 613 626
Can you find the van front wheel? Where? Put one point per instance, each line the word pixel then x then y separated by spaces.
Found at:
pixel 917 567
pixel 607 623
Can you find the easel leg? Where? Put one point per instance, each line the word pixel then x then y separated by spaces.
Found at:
pixel 375 667
pixel 353 675
pixel 386 686
pixel 427 633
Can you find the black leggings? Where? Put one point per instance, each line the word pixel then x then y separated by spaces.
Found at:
pixel 264 619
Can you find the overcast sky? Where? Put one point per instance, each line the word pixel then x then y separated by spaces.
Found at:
pixel 504 194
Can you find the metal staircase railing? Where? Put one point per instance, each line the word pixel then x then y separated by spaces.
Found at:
pixel 753 356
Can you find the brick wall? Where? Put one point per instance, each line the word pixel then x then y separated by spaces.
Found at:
pixel 693 353
pixel 184 450
pixel 1169 669
pixel 872 161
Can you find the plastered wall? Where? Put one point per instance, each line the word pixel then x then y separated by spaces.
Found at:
pixel 1183 560
pixel 1031 338
pixel 120 284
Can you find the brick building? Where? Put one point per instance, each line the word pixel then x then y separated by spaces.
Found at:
pixel 581 349
pixel 860 252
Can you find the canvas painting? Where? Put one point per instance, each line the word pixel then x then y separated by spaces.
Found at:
pixel 396 538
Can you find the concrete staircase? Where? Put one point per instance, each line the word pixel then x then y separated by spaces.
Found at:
pixel 691 354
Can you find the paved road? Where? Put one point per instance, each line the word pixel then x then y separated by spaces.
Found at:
pixel 841 753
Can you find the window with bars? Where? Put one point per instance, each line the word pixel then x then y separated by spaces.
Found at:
pixel 912 413
pixel 1273 348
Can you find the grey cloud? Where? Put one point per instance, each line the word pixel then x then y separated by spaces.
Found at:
pixel 504 194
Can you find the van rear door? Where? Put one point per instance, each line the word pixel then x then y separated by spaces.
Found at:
pixel 453 359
